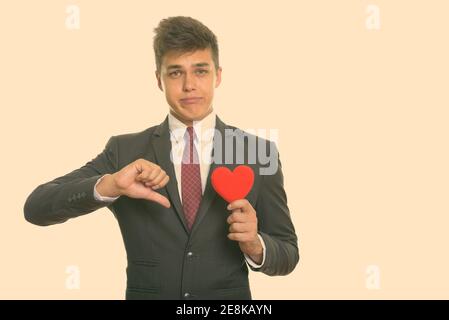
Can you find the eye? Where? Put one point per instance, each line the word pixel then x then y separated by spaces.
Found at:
pixel 175 74
pixel 202 71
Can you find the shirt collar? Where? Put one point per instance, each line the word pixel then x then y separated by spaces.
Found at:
pixel 178 129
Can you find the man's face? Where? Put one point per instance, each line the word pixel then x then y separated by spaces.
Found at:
pixel 189 81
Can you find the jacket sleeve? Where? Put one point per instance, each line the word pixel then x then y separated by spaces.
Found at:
pixel 275 225
pixel 71 195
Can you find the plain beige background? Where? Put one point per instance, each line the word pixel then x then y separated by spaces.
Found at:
pixel 363 136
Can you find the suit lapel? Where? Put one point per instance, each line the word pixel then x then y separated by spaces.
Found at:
pixel 162 149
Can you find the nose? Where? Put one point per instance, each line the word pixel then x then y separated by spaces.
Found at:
pixel 189 83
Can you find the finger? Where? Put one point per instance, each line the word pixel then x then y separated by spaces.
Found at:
pixel 239 204
pixel 237 216
pixel 148 172
pixel 241 237
pixel 162 183
pixel 155 172
pixel 158 178
pixel 143 164
pixel 156 197
pixel 238 227
pixel 143 176
pixel 150 182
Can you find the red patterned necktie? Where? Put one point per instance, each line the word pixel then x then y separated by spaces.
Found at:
pixel 190 179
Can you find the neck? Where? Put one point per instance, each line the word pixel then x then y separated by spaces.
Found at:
pixel 187 122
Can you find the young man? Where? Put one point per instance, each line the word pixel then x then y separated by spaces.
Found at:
pixel 183 241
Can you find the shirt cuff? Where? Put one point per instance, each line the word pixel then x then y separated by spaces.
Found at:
pixel 99 197
pixel 251 262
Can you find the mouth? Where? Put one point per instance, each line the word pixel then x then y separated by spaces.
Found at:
pixel 191 100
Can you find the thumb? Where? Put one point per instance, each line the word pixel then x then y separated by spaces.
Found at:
pixel 157 197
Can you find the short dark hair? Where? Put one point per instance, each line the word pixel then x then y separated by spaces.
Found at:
pixel 183 34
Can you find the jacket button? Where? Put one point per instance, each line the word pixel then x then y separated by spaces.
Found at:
pixel 190 254
pixel 186 295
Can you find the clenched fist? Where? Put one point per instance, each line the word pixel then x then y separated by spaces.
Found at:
pixel 137 180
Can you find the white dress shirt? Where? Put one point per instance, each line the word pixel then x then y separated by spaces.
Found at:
pixel 203 141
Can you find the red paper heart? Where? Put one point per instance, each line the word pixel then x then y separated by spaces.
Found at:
pixel 233 185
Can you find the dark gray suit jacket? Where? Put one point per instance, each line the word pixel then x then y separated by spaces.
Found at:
pixel 165 260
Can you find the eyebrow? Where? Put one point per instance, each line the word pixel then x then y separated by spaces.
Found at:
pixel 178 66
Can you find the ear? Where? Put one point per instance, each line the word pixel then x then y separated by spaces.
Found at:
pixel 218 80
pixel 159 83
